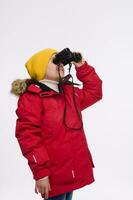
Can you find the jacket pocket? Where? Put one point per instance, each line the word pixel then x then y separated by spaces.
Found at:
pixel 61 166
pixel 63 174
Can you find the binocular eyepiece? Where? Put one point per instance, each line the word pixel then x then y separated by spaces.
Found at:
pixel 66 56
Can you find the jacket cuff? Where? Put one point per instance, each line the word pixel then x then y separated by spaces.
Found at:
pixel 41 173
pixel 82 66
pixel 43 178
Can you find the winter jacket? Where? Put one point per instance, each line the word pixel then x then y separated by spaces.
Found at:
pixel 54 145
pixel 53 85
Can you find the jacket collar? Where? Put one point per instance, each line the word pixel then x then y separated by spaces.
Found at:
pixel 51 84
pixel 44 90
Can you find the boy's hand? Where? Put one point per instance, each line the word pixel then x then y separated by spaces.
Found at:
pixel 43 186
pixel 78 64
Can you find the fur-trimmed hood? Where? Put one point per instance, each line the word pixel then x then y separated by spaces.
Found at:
pixel 19 86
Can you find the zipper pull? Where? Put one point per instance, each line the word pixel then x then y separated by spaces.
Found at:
pixel 73 173
pixel 34 159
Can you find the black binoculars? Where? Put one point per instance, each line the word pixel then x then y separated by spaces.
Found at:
pixel 66 56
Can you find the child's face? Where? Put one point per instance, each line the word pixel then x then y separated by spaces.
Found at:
pixel 52 70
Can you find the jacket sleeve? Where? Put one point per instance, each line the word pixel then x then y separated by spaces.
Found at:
pixel 28 134
pixel 91 91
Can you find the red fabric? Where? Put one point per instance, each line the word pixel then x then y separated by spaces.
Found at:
pixel 51 148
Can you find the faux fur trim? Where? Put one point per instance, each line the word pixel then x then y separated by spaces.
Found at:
pixel 19 86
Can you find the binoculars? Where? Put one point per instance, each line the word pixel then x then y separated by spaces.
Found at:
pixel 66 56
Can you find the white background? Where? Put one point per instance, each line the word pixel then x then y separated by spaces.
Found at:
pixel 103 32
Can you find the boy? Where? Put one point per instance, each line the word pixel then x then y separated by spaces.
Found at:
pixel 49 127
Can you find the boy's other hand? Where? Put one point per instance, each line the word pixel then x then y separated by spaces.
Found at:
pixel 43 186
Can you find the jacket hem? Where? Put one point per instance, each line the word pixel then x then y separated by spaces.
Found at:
pixel 68 188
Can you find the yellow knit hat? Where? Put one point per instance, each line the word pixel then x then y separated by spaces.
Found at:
pixel 37 64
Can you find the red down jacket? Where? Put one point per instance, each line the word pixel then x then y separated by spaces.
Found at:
pixel 50 147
